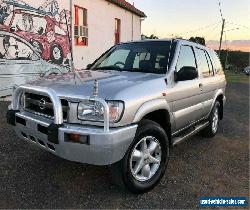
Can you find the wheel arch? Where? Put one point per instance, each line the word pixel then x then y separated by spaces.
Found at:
pixel 220 98
pixel 157 111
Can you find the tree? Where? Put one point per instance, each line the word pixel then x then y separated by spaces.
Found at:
pixel 199 40
pixel 237 59
pixel 152 36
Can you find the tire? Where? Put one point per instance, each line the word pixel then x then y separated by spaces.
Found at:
pixel 211 130
pixel 153 160
pixel 56 54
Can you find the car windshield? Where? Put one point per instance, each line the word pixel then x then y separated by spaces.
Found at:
pixel 147 57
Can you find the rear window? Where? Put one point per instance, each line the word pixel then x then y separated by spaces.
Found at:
pixel 216 62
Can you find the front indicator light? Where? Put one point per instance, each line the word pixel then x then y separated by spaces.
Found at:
pixel 77 138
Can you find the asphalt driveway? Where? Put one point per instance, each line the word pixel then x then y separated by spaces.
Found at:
pixel 32 178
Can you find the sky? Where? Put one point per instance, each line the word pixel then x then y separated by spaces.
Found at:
pixel 186 18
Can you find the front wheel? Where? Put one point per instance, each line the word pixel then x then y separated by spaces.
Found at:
pixel 145 162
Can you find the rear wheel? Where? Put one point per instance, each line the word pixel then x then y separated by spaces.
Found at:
pixel 145 161
pixel 212 129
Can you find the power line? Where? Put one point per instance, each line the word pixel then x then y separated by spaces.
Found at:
pixel 211 33
pixel 199 29
pixel 243 26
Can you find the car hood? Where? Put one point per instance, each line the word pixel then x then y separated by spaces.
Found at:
pixel 111 83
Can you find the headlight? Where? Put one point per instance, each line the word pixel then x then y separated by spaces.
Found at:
pixel 94 111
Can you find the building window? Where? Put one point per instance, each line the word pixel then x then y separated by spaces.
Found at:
pixel 81 26
pixel 117 31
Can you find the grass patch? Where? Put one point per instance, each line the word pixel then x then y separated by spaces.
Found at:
pixel 237 77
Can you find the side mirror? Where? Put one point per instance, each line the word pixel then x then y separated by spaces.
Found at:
pixel 89 66
pixel 186 73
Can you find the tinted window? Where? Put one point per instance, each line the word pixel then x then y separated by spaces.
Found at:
pixel 186 58
pixel 203 63
pixel 216 62
pixel 210 64
pixel 148 57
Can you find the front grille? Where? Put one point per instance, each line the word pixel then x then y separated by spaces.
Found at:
pixel 43 106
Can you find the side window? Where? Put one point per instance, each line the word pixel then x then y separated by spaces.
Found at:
pixel 186 58
pixel 216 62
pixel 203 63
pixel 210 64
pixel 14 49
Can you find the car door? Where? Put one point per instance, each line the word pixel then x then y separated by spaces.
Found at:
pixel 186 95
pixel 19 63
pixel 208 80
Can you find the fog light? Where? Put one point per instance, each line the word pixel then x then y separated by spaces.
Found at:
pixel 77 138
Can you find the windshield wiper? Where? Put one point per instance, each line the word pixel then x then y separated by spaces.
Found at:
pixel 109 68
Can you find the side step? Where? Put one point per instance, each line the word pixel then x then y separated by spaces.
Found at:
pixel 178 139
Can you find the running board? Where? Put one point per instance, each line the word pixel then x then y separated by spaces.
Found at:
pixel 196 129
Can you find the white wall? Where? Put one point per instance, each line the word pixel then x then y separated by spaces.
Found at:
pixel 101 23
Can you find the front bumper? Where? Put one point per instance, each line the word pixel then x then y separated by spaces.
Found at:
pixel 102 148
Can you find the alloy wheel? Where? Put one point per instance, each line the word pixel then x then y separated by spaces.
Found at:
pixel 145 159
pixel 215 120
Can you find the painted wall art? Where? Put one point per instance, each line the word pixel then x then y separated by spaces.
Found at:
pixel 45 27
pixel 32 41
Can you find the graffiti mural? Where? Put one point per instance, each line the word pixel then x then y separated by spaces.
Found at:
pixel 45 27
pixel 30 35
pixel 5 11
pixel 20 63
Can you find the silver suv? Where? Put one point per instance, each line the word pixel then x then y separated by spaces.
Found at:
pixel 127 110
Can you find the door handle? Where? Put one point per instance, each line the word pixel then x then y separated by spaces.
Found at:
pixel 201 86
